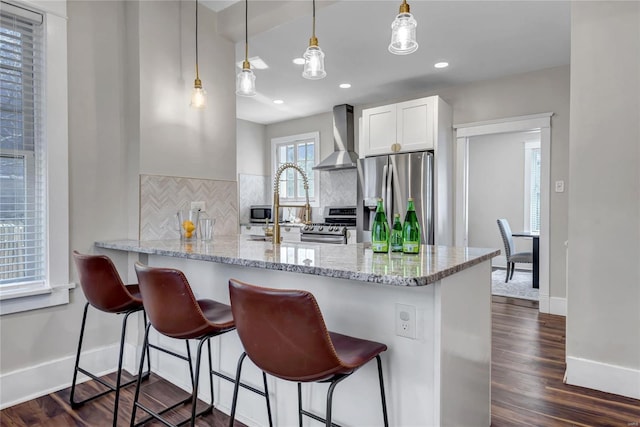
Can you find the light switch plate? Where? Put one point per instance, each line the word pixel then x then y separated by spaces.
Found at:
pixel 560 186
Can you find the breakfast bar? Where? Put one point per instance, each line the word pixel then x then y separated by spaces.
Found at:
pixel 438 362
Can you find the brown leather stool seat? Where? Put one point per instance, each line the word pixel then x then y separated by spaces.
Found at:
pixel 174 312
pixel 104 291
pixel 284 334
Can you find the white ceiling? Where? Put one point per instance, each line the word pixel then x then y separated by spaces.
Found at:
pixel 480 39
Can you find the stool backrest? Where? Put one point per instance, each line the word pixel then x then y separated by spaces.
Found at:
pixel 283 332
pixel 169 302
pixel 101 283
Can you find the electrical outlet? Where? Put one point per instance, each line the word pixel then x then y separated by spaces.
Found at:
pixel 406 321
pixel 560 186
pixel 198 205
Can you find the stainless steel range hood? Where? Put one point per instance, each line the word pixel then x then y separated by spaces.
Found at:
pixel 343 156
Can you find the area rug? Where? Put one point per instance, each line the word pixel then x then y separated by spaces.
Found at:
pixel 518 287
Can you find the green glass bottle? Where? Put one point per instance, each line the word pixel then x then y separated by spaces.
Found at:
pixel 411 230
pixel 380 230
pixel 395 242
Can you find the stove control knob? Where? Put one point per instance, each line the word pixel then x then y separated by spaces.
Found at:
pixel 320 228
pixel 306 228
pixel 330 228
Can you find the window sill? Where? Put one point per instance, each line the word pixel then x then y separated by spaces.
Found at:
pixel 33 299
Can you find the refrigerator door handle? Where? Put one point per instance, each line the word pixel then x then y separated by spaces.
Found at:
pixel 384 191
pixel 388 177
pixel 389 196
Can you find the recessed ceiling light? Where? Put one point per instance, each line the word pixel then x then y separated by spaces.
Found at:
pixel 298 61
pixel 441 65
pixel 256 63
pixel 278 101
pixel 345 85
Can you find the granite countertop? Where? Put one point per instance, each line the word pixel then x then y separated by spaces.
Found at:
pixel 355 262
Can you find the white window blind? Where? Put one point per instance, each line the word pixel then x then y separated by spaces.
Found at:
pixel 22 163
pixel 532 186
pixel 534 190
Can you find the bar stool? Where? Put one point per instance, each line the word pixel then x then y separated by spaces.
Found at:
pixel 174 312
pixel 284 334
pixel 104 291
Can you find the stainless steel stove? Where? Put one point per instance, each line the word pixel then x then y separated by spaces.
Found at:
pixel 334 229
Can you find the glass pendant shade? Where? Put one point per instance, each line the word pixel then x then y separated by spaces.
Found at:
pixel 313 63
pixel 246 83
pixel 403 35
pixel 198 96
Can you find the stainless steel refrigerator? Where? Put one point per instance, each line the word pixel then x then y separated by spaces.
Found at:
pixel 395 178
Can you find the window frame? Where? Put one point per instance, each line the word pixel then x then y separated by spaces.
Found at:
pixel 55 289
pixel 529 147
pixel 314 196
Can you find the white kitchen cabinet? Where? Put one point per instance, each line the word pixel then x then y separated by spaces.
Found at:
pixel 402 127
pixel 289 233
pixel 254 229
pixel 351 236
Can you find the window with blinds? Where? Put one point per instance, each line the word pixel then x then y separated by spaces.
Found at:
pixel 534 190
pixel 532 186
pixel 22 174
pixel 303 151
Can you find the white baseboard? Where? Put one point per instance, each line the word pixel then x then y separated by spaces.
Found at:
pixel 558 306
pixel 35 381
pixel 604 377
pixel 552 305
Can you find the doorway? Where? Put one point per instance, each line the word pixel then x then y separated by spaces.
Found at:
pixel 538 125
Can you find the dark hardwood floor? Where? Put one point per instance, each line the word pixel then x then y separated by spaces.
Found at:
pixel 527 388
pixel 528 354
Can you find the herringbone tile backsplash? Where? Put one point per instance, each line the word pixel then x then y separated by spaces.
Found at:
pixel 162 196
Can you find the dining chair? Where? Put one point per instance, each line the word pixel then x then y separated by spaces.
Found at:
pixel 509 251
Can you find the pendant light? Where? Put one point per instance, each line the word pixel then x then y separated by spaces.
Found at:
pixel 313 56
pixel 403 32
pixel 246 80
pixel 198 96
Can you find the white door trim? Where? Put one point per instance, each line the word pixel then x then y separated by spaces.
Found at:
pixel 464 132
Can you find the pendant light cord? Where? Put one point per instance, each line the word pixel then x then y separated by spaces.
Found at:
pixel 197 73
pixel 246 30
pixel 314 18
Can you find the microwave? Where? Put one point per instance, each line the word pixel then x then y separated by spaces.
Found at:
pixel 260 213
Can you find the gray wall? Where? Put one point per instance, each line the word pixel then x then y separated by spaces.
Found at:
pixel 176 140
pixel 496 190
pixel 116 75
pixel 253 148
pixel 603 319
